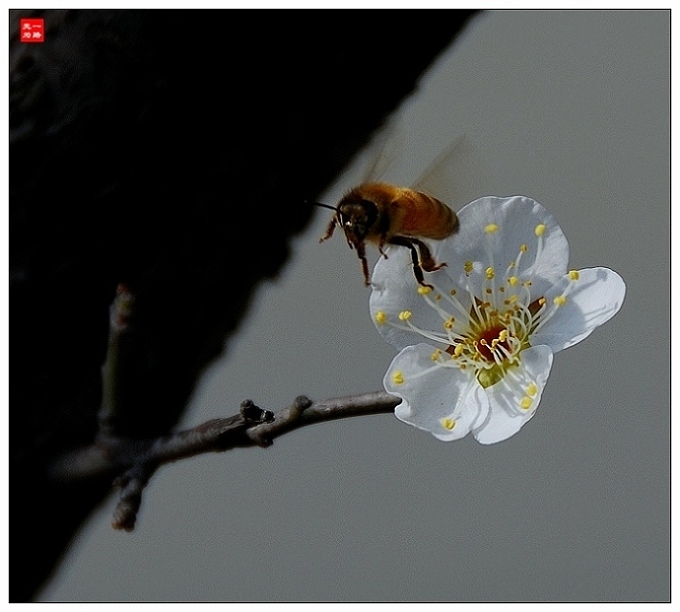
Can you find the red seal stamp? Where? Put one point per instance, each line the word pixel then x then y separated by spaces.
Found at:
pixel 32 30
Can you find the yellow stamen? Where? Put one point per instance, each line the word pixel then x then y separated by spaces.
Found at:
pixel 424 290
pixel 398 377
pixel 526 402
pixel 560 300
pixel 573 275
pixel 490 273
pixel 405 315
pixel 448 423
pixel 512 281
pixel 540 229
pixel 467 267
pixel 491 228
pixel 380 317
pixel 532 390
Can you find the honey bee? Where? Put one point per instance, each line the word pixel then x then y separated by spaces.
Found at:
pixel 385 214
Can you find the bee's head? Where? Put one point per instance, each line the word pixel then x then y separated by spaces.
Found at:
pixel 356 216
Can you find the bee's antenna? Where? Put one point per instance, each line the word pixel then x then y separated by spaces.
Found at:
pixel 320 204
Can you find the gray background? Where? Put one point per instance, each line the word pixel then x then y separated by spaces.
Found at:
pixel 572 109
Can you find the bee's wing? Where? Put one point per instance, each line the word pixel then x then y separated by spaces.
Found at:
pixel 456 176
pixel 388 143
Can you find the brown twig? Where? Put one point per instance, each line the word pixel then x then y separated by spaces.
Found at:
pixel 120 370
pixel 133 462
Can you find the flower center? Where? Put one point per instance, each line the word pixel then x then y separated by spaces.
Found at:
pixel 491 338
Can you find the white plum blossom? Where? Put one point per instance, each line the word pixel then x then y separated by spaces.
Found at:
pixel 477 345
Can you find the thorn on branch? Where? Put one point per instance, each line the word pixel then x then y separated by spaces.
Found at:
pixel 254 414
pixel 302 402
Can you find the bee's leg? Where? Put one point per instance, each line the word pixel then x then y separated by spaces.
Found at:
pixel 426 260
pixel 409 244
pixel 329 230
pixel 381 244
pixel 361 253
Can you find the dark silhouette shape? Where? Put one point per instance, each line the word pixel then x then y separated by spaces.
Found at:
pixel 171 151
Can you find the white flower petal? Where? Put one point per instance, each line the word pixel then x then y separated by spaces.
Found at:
pixel 471 410
pixel 395 290
pixel 507 415
pixel 594 298
pixel 516 218
pixel 432 393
